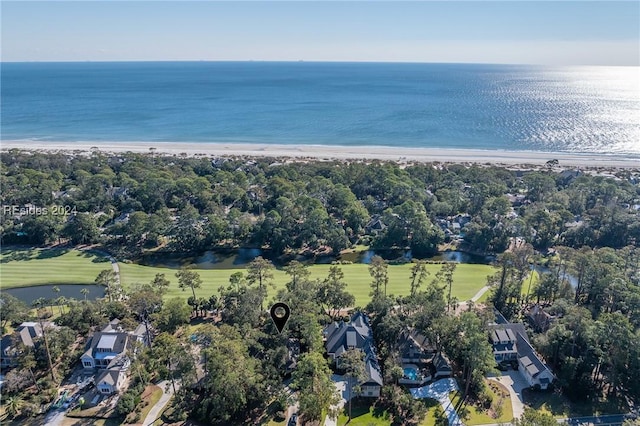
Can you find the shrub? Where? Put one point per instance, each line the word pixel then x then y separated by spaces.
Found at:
pixel 485 399
pixel 126 404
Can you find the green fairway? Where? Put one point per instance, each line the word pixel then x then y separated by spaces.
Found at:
pixel 26 267
pixel 468 279
pixel 20 268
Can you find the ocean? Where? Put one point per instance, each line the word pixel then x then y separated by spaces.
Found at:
pixel 465 106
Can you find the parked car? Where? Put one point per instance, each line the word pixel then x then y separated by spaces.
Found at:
pixel 293 420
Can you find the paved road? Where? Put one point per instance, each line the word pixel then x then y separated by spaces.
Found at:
pixel 515 383
pixel 156 411
pixel 615 419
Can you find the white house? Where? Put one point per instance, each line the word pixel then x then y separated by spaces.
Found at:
pixel 104 348
pixel 110 381
pixel 109 351
pixel 531 367
pixel 510 343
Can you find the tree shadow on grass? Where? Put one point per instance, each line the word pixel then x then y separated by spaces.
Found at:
pixel 96 257
pixel 559 405
pixel 51 253
pixel 17 255
pixel 361 407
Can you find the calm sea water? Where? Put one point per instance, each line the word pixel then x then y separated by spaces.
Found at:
pixel 575 109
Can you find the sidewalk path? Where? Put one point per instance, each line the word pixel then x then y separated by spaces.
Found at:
pixel 480 293
pixel 156 411
pixel 440 392
pixel 114 262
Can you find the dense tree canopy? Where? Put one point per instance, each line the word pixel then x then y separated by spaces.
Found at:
pixel 135 201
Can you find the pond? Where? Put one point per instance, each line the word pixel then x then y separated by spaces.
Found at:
pixel 564 276
pixel 219 259
pixel 449 256
pixel 231 259
pixel 70 291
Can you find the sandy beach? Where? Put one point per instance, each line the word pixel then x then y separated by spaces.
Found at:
pixel 336 152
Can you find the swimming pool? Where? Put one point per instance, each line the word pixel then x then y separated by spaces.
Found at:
pixel 411 373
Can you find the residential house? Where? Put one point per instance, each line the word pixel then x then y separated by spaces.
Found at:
pixel 26 333
pixel 8 353
pixel 540 319
pixel 506 337
pixel 356 334
pixel 104 348
pixel 109 351
pixel 110 381
pixel 375 226
pixel 421 362
pixel 503 341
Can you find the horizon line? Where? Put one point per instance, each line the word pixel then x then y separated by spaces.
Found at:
pixel 292 61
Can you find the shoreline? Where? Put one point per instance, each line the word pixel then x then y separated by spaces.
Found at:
pixel 336 152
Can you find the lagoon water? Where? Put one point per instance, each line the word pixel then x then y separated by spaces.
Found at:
pixel 492 107
pixel 70 291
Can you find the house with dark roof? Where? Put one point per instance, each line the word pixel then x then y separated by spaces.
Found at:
pixel 503 341
pixel 356 334
pixel 109 352
pixel 375 226
pixel 539 319
pixel 104 348
pixel 26 333
pixel 8 355
pixel 510 342
pixel 421 362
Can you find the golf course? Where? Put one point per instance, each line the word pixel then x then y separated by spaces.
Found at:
pixel 36 266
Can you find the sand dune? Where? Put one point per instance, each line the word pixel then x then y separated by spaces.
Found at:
pixel 337 152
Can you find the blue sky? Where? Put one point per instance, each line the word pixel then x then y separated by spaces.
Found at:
pixel 543 32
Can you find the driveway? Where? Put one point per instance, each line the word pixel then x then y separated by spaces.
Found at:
pixel 55 417
pixel 156 411
pixel 341 389
pixel 440 391
pixel 514 381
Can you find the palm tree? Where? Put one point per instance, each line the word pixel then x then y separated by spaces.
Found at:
pixel 84 292
pixel 13 406
pixel 108 279
pixel 61 301
pixel 56 290
pixel 39 303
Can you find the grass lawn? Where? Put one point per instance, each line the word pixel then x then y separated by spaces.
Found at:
pixel 432 409
pixel 468 279
pixel 560 406
pixel 27 267
pixel 362 413
pixel 530 280
pixel 151 396
pixel 478 416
